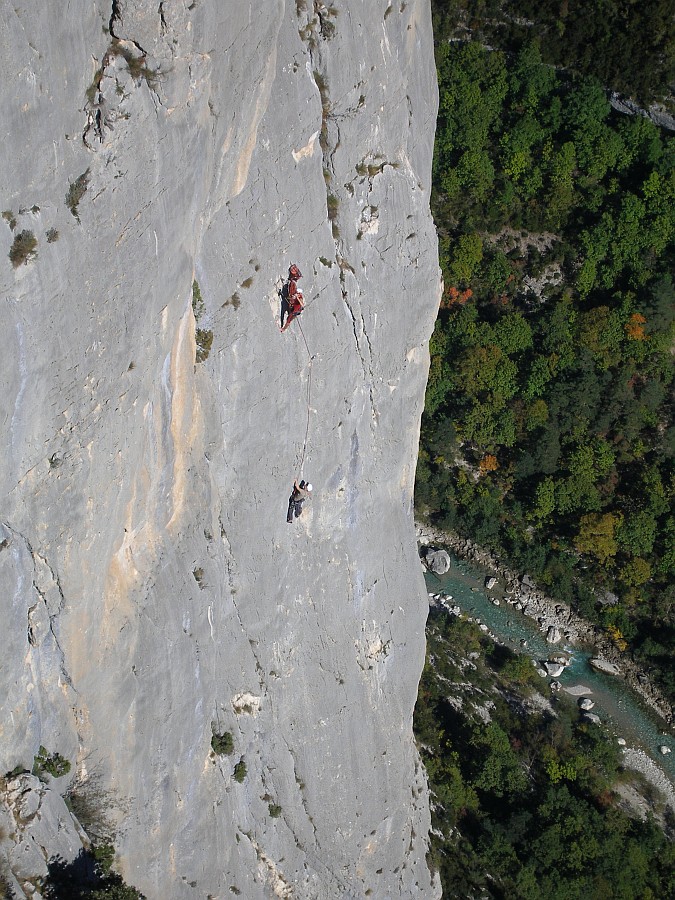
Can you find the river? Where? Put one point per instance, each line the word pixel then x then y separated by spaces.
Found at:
pixel 619 707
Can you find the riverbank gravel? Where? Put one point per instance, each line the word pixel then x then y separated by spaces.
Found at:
pixel 639 761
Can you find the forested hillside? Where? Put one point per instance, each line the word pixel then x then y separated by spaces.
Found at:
pixel 627 45
pixel 526 796
pixel 548 430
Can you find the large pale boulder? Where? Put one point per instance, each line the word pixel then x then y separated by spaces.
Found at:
pixel 577 690
pixel 592 718
pixel 554 669
pixel 604 666
pixel 437 561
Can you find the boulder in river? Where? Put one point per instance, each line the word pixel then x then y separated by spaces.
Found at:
pixel 621 742
pixel 664 750
pixel 553 635
pixel 591 717
pixel 555 686
pixel 561 658
pixel 586 704
pixel 603 665
pixel 554 669
pixel 490 582
pixel 437 561
pixel 578 690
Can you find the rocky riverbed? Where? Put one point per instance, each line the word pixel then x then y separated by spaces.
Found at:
pixel 554 618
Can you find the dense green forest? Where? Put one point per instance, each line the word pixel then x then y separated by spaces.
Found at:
pixel 548 433
pixel 524 801
pixel 627 45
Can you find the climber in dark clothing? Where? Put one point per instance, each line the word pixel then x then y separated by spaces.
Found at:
pixel 301 492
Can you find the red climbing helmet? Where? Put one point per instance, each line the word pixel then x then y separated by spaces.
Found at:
pixel 294 272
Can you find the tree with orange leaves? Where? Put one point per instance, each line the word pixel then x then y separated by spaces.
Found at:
pixel 634 327
pixel 453 297
pixel 488 464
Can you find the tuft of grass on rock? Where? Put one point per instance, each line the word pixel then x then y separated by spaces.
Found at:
pixel 136 64
pixel 10 218
pixel 93 88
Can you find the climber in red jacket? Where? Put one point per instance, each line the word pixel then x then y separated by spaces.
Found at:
pixel 292 301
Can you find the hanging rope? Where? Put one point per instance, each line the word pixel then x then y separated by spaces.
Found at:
pixel 310 357
pixel 309 399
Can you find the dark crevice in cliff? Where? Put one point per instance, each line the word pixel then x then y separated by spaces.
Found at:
pixel 115 18
pixel 162 20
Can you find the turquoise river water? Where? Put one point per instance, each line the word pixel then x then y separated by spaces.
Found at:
pixel 618 706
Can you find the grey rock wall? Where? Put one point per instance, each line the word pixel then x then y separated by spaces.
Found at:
pixel 152 591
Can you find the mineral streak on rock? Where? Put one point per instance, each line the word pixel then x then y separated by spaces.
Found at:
pixel 152 593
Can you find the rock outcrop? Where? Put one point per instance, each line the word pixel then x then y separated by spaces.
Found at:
pixel 437 561
pixel 170 160
pixel 603 665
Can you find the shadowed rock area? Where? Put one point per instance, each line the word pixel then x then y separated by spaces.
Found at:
pixel 152 593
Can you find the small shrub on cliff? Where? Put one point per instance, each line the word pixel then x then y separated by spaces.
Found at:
pixel 93 807
pixel 88 877
pixel 240 771
pixel 204 340
pixel 222 744
pixel 50 763
pixel 275 810
pixel 333 206
pixel 197 300
pixel 76 192
pixel 104 854
pixel 23 249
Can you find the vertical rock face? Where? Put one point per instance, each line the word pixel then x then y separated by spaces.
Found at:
pixel 152 592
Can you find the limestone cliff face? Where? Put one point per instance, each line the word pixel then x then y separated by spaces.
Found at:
pixel 152 592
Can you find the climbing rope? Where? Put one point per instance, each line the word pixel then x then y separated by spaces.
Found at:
pixel 309 399
pixel 310 357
